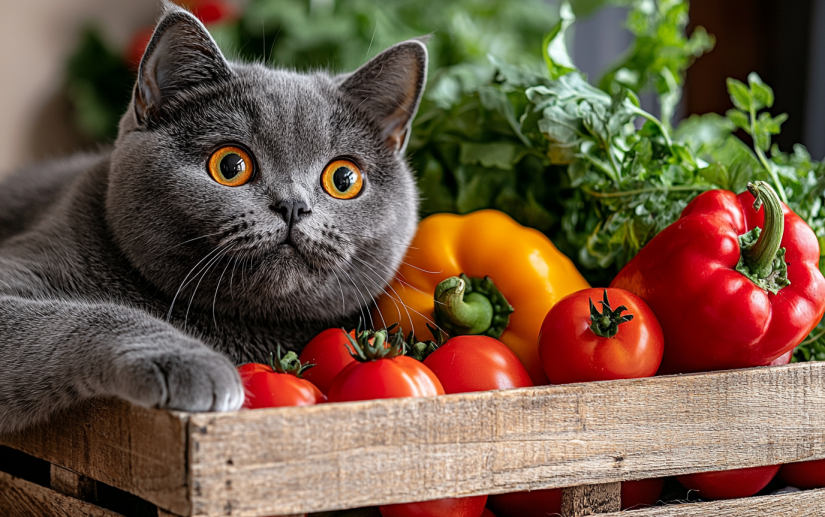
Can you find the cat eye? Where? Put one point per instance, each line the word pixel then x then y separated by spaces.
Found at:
pixel 231 166
pixel 342 179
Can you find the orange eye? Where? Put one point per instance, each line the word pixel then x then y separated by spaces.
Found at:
pixel 231 166
pixel 342 179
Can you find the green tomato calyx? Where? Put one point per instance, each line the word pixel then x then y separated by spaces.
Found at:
pixel 372 345
pixel 606 323
pixel 288 363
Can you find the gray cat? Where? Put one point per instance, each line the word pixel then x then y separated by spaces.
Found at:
pixel 240 208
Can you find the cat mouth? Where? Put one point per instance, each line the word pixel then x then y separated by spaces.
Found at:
pixel 287 243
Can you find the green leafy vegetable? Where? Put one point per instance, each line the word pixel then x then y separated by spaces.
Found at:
pixel 749 100
pixel 661 53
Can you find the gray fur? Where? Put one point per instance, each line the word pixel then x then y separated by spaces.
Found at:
pixel 132 273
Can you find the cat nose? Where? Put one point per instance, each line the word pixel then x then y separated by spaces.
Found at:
pixel 292 211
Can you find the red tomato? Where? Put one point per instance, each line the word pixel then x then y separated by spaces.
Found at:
pixel 461 507
pixel 477 363
pixel 381 371
pixel 400 376
pixel 329 353
pixel 642 492
pixel 804 474
pixel 278 384
pixel 536 503
pixel 273 389
pixel 729 484
pixel 487 513
pixel 247 369
pixel 137 46
pixel 574 345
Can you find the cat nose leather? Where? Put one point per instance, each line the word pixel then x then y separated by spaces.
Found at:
pixel 292 211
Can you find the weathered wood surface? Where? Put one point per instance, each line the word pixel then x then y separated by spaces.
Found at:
pixel 582 500
pixel 141 451
pixel 797 504
pixel 20 498
pixel 294 460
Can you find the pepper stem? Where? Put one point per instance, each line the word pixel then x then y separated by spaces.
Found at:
pixel 471 306
pixel 763 260
pixel 606 323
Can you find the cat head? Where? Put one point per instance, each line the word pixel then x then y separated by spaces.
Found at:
pixel 263 193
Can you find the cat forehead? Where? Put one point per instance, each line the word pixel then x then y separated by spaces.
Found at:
pixel 259 95
pixel 285 87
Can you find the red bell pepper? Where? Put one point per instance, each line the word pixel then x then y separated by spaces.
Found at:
pixel 732 286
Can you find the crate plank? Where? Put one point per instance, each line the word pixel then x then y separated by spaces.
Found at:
pixel 326 457
pixel 21 498
pixel 141 451
pixel 582 500
pixel 798 504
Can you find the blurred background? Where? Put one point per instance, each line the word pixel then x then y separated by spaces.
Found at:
pixel 65 66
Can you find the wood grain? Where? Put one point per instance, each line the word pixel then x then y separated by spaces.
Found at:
pixel 141 451
pixel 294 460
pixel 797 504
pixel 20 498
pixel 578 501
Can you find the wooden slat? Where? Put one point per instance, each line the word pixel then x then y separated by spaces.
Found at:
pixel 20 498
pixel 582 500
pixel 294 460
pixel 797 504
pixel 141 451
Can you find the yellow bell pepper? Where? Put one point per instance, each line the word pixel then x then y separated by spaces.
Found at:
pixel 521 262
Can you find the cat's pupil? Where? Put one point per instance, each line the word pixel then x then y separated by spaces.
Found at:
pixel 343 179
pixel 232 165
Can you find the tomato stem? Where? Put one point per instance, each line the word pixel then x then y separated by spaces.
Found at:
pixel 420 350
pixel 763 258
pixel 288 363
pixel 471 306
pixel 369 345
pixel 606 323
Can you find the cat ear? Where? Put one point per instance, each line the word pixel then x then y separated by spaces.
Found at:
pixel 389 88
pixel 180 55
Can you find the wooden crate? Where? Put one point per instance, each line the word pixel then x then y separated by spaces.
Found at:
pixel 584 437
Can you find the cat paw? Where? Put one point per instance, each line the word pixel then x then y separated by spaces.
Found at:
pixel 187 380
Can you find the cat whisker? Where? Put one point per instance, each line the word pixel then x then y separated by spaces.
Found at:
pixel 184 283
pixel 343 299
pixel 430 321
pixel 374 302
pixel 363 298
pixel 388 285
pixel 215 298
pixel 422 270
pixel 232 277
pixel 214 260
pixel 407 308
pixel 190 240
pixel 398 276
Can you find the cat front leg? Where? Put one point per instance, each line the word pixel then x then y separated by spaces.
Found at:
pixel 54 354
